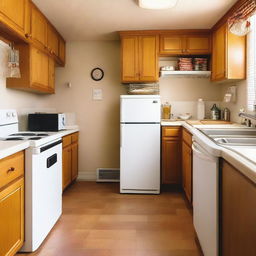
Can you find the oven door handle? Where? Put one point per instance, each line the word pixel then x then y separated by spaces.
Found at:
pixel 197 150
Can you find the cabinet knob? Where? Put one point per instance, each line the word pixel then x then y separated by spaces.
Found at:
pixel 27 35
pixel 12 169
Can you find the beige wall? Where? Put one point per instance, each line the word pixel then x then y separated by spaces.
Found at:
pixel 241 101
pixel 98 120
pixel 9 98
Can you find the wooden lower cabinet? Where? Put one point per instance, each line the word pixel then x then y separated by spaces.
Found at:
pixel 171 155
pixel 238 213
pixel 11 204
pixel 69 159
pixel 187 164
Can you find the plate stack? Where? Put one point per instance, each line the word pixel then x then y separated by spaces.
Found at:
pixel 200 64
pixel 185 64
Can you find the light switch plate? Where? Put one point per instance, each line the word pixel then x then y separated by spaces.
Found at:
pixel 97 94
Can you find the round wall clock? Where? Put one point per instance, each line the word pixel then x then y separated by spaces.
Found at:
pixel 97 74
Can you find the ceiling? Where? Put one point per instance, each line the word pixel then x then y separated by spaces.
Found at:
pixel 79 20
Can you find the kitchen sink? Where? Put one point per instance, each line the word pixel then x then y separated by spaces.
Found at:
pixel 250 132
pixel 236 141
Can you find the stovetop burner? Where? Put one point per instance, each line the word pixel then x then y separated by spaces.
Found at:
pixel 35 138
pixel 24 134
pixel 15 138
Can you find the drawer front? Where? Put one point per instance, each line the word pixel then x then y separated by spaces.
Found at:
pixel 171 131
pixel 186 137
pixel 11 168
pixel 66 141
pixel 74 137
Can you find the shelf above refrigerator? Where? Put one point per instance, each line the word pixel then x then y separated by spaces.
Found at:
pixel 185 74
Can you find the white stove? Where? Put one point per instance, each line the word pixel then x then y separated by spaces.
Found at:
pixel 43 178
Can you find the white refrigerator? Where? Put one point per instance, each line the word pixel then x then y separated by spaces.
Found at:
pixel 140 117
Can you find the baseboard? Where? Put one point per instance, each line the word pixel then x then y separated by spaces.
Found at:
pixel 89 175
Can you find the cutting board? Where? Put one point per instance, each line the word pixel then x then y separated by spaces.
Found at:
pixel 207 122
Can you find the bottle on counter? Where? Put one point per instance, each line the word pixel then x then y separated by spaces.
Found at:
pixel 166 110
pixel 200 109
pixel 226 114
pixel 215 112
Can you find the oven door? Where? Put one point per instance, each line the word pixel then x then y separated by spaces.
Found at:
pixel 43 192
pixel 205 199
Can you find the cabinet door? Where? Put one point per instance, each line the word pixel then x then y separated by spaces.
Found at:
pixel 148 58
pixel 12 218
pixel 219 54
pixel 66 167
pixel 14 14
pixel 51 75
pixel 187 170
pixel 130 59
pixel 171 44
pixel 39 69
pixel 62 51
pixel 171 161
pixel 238 213
pixel 198 44
pixel 52 40
pixel 38 27
pixel 74 150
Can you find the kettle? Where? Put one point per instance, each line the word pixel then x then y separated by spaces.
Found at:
pixel 215 112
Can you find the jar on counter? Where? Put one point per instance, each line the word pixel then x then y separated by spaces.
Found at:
pixel 166 110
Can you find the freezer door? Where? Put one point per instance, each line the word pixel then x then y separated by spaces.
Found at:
pixel 134 110
pixel 140 158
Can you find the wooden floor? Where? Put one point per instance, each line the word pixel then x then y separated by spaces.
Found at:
pixel 98 221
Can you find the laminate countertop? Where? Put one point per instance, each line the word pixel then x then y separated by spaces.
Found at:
pixel 8 148
pixel 241 157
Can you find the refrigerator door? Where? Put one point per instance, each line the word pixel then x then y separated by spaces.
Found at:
pixel 140 158
pixel 140 109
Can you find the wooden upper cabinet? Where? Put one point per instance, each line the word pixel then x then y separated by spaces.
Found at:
pixel 193 43
pixel 51 71
pixel 52 40
pixel 62 51
pixel 130 60
pixel 228 55
pixel 171 44
pixel 139 58
pixel 148 58
pixel 198 44
pixel 37 70
pixel 14 14
pixel 219 54
pixel 38 27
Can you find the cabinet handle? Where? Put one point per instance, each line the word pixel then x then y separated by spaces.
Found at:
pixel 12 169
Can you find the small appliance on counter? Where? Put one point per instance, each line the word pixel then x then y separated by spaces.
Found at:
pixel 46 121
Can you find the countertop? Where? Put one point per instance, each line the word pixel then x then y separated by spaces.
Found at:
pixel 8 148
pixel 244 161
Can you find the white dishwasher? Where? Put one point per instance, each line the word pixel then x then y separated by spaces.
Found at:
pixel 206 199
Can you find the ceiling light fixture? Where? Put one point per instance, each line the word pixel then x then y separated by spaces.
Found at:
pixel 157 4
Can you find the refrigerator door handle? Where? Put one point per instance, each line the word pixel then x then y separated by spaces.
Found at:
pixel 121 135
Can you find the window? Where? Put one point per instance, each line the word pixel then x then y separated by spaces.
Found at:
pixel 251 68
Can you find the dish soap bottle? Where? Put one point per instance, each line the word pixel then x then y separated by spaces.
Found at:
pixel 200 109
pixel 166 110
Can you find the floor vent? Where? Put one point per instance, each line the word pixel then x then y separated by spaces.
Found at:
pixel 108 175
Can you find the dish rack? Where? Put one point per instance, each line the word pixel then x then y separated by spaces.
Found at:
pixel 143 89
